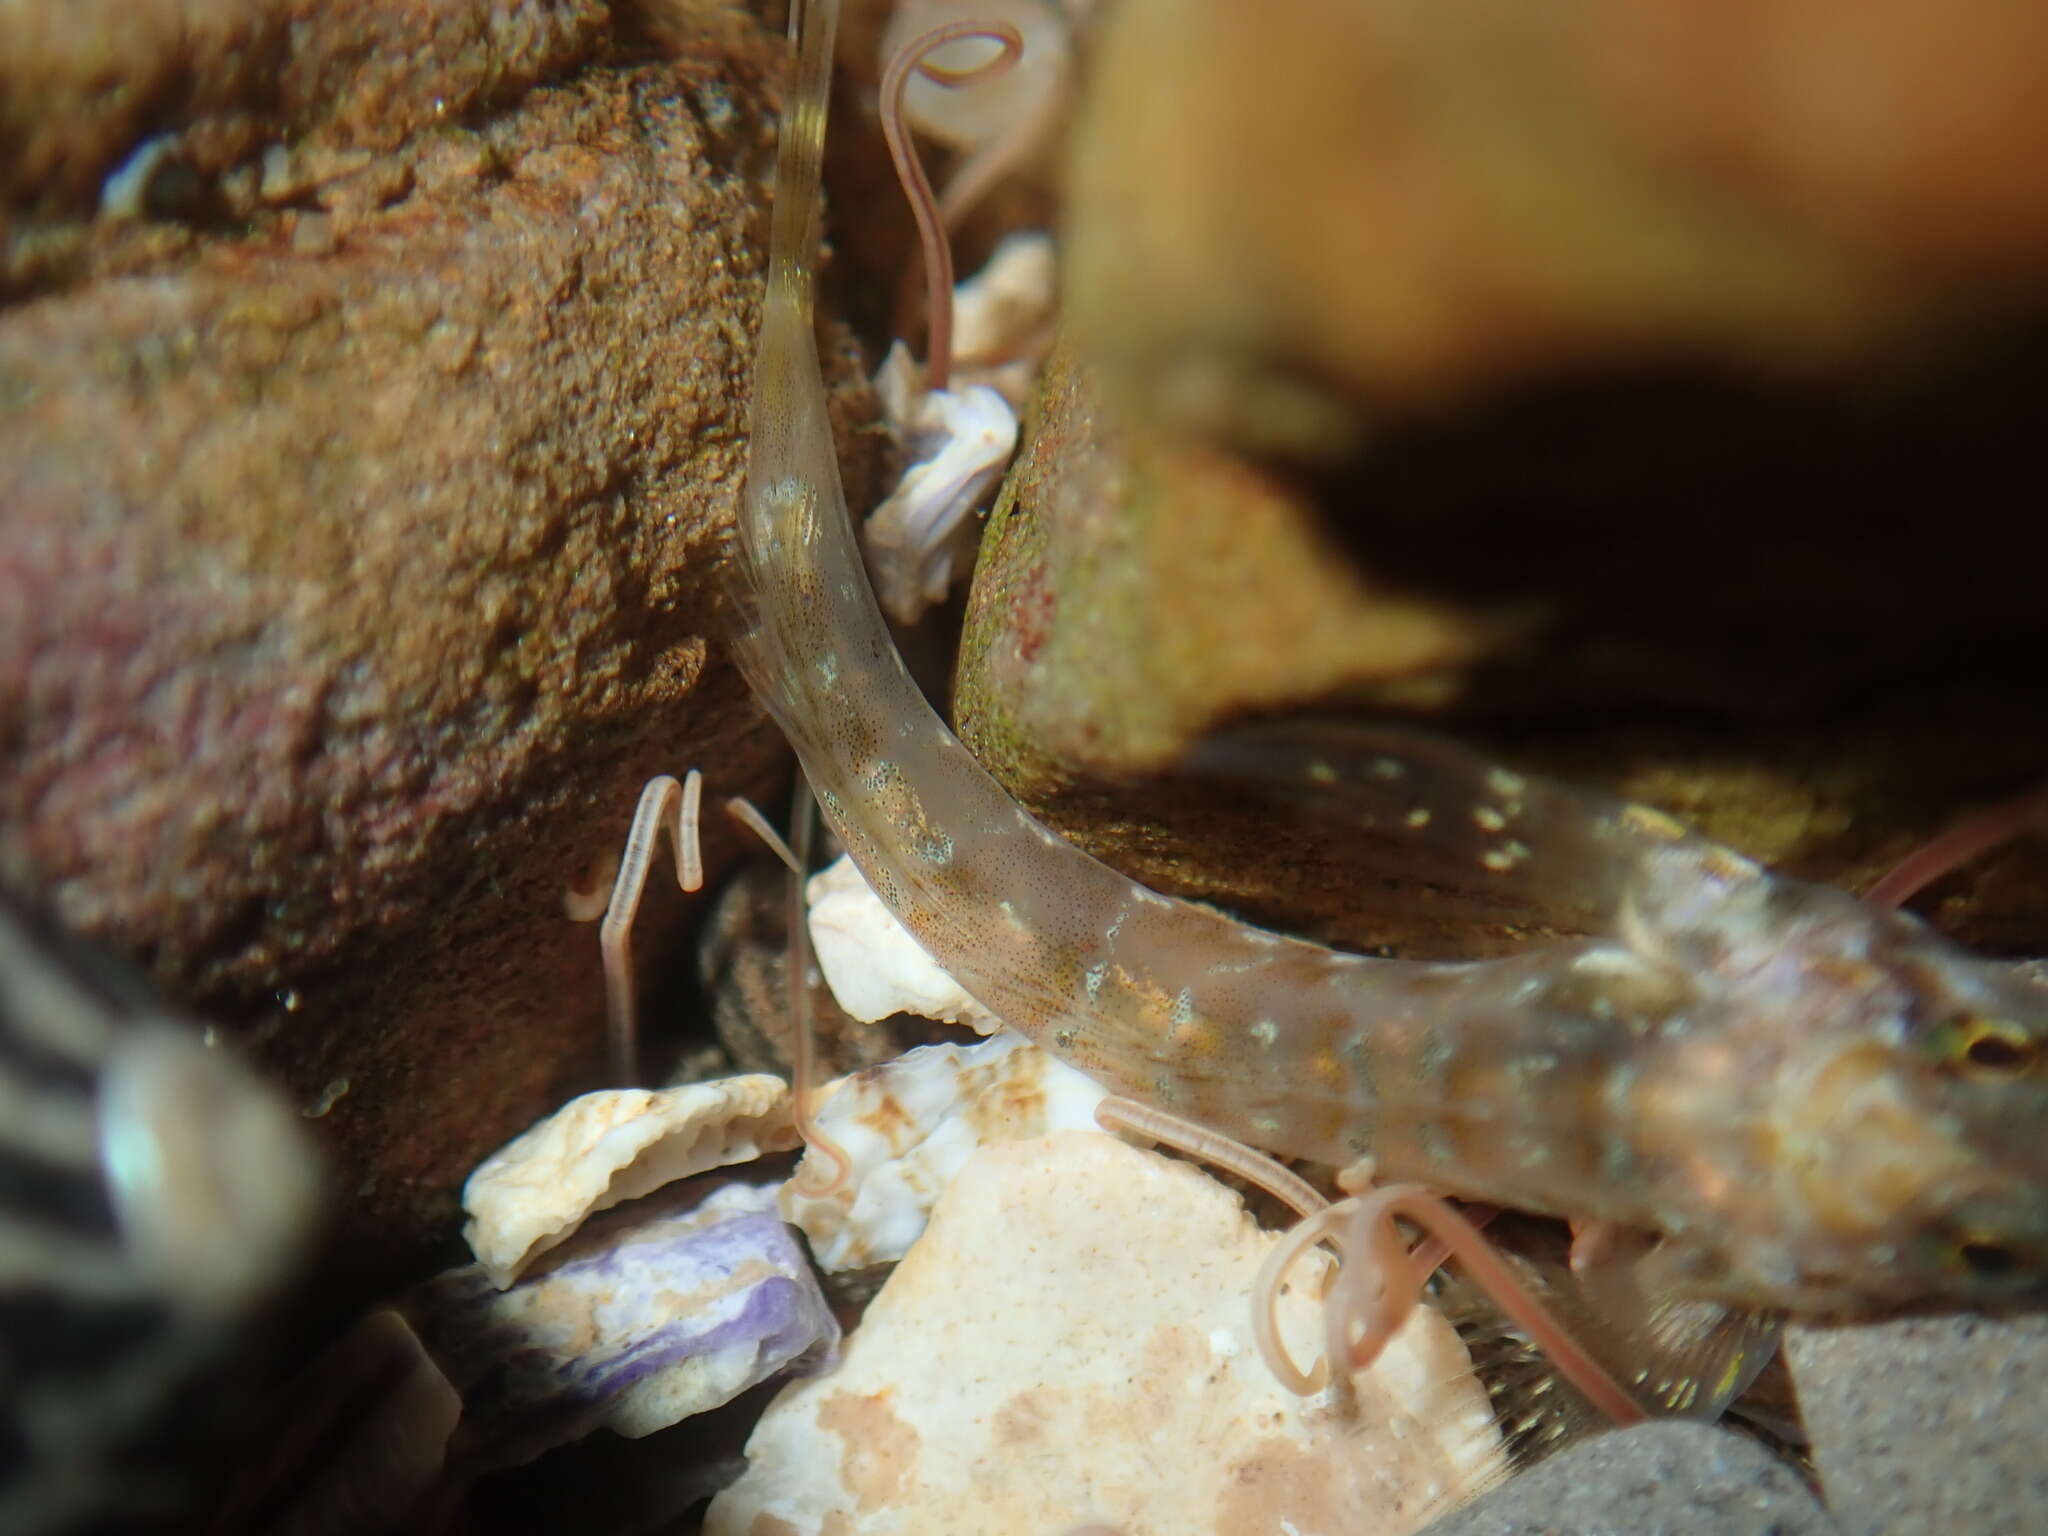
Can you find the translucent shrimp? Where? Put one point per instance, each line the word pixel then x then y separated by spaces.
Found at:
pixel 1791 1088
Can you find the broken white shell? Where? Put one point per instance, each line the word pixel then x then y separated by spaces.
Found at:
pixel 608 1147
pixel 909 1125
pixel 960 441
pixel 872 964
pixel 1069 1345
pixel 988 109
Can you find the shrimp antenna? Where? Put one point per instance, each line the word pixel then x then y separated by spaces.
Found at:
pixel 661 797
pixel 1379 1281
pixel 803 1047
pixel 1951 850
pixel 1196 1140
pixel 913 58
pixel 1361 1228
pixel 744 811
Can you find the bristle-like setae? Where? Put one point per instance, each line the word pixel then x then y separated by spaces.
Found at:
pixel 1711 1369
pixel 914 57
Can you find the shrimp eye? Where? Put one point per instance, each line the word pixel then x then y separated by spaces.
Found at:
pixel 1993 1047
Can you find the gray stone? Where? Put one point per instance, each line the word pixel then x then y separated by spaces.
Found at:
pixel 1686 1479
pixel 1928 1424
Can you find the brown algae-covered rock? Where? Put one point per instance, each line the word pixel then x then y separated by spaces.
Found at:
pixel 1282 215
pixel 1134 591
pixel 130 128
pixel 360 562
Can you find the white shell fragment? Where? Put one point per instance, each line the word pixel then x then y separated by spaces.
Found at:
pixel 960 439
pixel 873 966
pixel 909 1125
pixel 1002 314
pixel 1069 1347
pixel 960 442
pixel 645 1318
pixel 611 1146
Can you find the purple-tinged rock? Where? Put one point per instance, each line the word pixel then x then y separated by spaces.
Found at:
pixel 661 1310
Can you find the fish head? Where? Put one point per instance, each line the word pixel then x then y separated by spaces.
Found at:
pixel 1910 1131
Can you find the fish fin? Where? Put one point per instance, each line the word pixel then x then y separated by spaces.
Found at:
pixel 1680 1358
pixel 1691 1358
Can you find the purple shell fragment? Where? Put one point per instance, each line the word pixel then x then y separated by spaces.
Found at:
pixel 652 1313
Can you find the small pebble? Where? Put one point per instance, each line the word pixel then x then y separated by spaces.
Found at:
pixel 1684 1479
pixel 1928 1423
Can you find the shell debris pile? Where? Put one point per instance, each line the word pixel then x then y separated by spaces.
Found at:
pixel 1069 1345
pixel 609 1147
pixel 1065 1305
pixel 909 1126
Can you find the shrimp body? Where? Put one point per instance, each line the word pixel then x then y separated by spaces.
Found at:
pixel 1816 1103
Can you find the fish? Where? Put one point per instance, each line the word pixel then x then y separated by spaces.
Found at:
pixel 156 1196
pixel 1811 1102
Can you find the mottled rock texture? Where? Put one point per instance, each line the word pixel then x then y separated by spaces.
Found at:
pixel 212 85
pixel 358 552
pixel 1927 1424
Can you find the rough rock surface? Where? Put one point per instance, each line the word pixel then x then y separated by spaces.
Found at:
pixel 359 556
pixel 1280 213
pixel 1068 1346
pixel 1625 391
pixel 1134 593
pixel 1657 1480
pixel 187 99
pixel 1927 1424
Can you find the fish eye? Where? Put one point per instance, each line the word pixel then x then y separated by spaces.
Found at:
pixel 1992 1047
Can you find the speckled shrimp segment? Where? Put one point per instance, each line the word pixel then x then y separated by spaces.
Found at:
pixel 1675 1076
pixel 1279 1042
